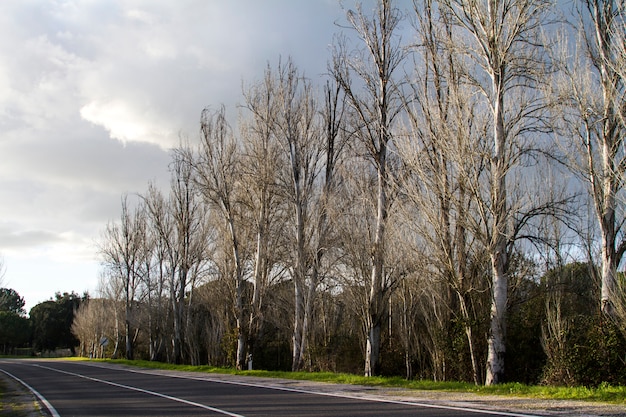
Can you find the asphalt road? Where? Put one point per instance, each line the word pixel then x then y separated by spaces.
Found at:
pixel 94 389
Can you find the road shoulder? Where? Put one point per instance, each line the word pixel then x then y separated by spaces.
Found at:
pixel 16 399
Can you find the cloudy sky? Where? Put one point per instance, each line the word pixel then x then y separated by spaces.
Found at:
pixel 94 92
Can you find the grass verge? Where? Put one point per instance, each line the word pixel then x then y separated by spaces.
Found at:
pixel 604 393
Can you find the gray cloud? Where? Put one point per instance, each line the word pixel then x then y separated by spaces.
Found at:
pixel 93 93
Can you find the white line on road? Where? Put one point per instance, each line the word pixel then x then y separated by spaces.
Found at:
pixel 330 394
pixel 157 394
pixel 41 398
pixel 367 398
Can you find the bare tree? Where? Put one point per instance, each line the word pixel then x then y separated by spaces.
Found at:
pixel 181 242
pixel 375 100
pixel 94 326
pixel 157 268
pixel 441 156
pixel 504 46
pixel 592 88
pixel 150 291
pixel 216 171
pixel 332 141
pixel 191 233
pixel 262 161
pixel 121 251
pixel 295 128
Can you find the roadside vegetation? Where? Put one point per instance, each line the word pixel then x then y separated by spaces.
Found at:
pixel 603 393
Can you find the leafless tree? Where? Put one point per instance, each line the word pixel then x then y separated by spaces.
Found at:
pixel 121 251
pixel 442 155
pixel 110 287
pixel 262 161
pixel 191 240
pixel 501 41
pixel 217 174
pixel 156 270
pixel 94 326
pixel 324 214
pixel 374 97
pixel 150 292
pixel 592 88
pixel 181 243
pixel 296 129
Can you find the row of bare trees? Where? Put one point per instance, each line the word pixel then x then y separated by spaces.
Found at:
pixel 416 198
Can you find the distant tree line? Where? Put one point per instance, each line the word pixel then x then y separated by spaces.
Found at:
pixel 47 329
pixel 448 205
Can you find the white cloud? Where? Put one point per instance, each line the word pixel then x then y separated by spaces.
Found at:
pixel 94 92
pixel 119 119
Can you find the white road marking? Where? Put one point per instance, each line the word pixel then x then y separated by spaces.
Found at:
pixel 327 394
pixel 157 394
pixel 41 398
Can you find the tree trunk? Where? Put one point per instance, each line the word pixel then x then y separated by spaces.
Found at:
pixel 129 340
pixel 127 328
pixel 241 341
pixel 372 350
pixel 299 282
pixel 260 266
pixel 609 273
pixel 497 329
pixel 498 246
pixel 376 307
pixel 607 220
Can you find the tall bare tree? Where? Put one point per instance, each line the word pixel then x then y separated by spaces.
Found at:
pixel 121 251
pixel 375 99
pixel 162 260
pixel 502 39
pixel 180 223
pixel 592 87
pixel 217 173
pixel 296 128
pixel 332 142
pixel 262 161
pixel 441 156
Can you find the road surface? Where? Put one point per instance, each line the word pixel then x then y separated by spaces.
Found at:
pixel 96 389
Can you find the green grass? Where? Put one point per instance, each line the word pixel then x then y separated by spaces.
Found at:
pixel 603 393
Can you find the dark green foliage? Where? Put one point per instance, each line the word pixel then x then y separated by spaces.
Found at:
pixel 11 301
pixel 525 357
pixel 52 322
pixel 14 327
pixel 588 349
pixel 273 351
pixel 14 332
pixel 593 355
